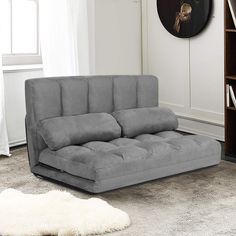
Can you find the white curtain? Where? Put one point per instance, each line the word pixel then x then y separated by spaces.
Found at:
pixel 64 37
pixel 4 147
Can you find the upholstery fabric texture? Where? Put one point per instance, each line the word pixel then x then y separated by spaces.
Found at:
pixel 64 147
pixel 67 96
pixel 107 160
pixel 145 120
pixel 60 132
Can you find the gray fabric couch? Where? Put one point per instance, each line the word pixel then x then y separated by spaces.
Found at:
pixel 100 133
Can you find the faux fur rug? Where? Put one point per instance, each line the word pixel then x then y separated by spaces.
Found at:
pixel 57 213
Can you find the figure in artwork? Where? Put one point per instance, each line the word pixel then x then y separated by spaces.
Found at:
pixel 183 16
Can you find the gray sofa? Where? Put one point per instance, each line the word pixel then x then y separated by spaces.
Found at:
pixel 100 133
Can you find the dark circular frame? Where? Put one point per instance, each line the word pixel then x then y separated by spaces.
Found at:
pixel 190 35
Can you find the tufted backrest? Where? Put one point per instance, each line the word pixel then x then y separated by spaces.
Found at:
pixel 66 96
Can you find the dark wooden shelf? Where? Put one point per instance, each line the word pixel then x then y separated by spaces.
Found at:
pixel 231 30
pixel 231 108
pixel 230 77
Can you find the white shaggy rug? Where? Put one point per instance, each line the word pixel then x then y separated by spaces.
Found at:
pixel 57 213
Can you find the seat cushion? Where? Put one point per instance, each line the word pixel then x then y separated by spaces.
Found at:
pixel 145 120
pixel 60 132
pixel 98 161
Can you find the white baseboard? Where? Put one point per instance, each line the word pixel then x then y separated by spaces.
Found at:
pixel 200 127
pixel 15 143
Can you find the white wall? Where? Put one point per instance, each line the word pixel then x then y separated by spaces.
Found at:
pixel 118 37
pixel 15 103
pixel 191 72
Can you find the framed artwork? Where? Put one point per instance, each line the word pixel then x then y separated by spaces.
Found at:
pixel 184 18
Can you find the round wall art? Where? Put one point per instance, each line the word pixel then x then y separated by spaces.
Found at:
pixel 184 18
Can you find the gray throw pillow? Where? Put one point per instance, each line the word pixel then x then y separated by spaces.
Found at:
pixel 145 120
pixel 74 130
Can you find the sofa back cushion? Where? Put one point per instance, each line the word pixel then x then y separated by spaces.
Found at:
pixel 60 132
pixel 145 120
pixel 70 96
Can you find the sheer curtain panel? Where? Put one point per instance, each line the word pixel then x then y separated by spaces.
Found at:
pixel 64 37
pixel 4 146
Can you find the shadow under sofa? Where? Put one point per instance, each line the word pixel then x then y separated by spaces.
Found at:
pixel 99 133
